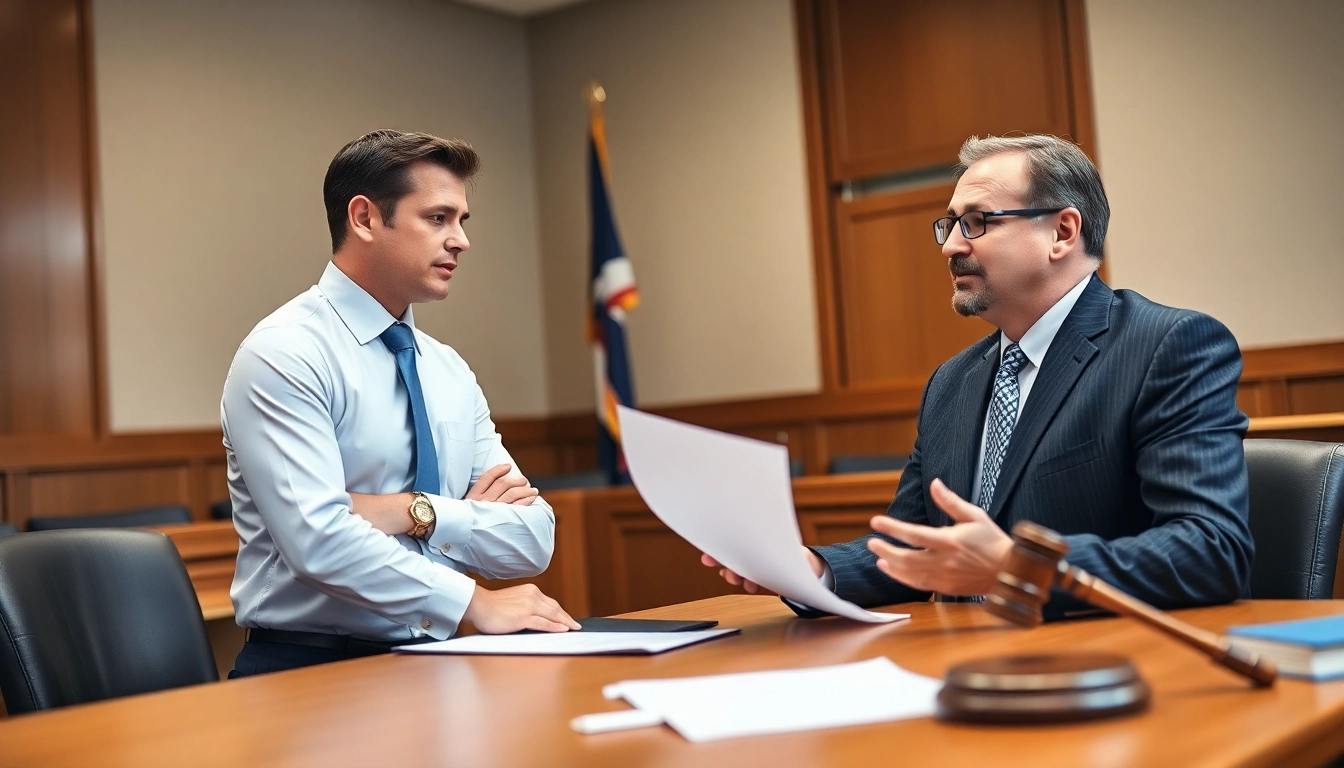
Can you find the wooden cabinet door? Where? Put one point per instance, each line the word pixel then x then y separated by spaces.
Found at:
pixel 894 291
pixel 906 81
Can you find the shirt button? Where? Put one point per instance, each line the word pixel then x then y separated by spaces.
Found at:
pixel 426 624
pixel 444 549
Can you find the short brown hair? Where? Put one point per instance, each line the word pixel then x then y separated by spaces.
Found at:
pixel 376 166
pixel 1061 176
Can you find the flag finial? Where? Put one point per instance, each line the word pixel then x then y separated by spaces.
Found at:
pixel 594 94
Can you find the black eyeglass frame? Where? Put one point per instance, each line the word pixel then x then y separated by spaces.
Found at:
pixel 966 230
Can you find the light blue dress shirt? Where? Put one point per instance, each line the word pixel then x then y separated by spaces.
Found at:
pixel 313 410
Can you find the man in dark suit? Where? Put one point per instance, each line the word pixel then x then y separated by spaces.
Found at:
pixel 1097 413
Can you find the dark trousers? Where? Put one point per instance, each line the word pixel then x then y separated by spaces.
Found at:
pixel 259 658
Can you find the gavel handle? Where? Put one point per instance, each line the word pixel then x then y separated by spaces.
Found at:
pixel 1084 586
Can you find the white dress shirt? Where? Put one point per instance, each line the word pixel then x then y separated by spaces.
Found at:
pixel 314 410
pixel 1034 344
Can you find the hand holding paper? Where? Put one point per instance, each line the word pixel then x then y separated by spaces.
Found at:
pixel 731 498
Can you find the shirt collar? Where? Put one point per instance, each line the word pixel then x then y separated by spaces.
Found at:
pixel 363 316
pixel 1036 341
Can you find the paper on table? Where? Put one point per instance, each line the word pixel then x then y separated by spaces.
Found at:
pixel 721 706
pixel 568 643
pixel 731 498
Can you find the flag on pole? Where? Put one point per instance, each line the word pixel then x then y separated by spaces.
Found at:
pixel 612 293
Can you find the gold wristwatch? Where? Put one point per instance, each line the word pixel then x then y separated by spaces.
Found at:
pixel 422 514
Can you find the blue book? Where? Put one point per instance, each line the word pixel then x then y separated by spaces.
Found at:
pixel 1308 648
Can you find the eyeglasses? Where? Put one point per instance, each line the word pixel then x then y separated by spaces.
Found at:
pixel 973 222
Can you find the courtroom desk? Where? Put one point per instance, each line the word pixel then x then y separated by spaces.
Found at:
pixel 1328 427
pixel 514 711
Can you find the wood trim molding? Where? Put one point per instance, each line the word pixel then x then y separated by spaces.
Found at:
pixel 818 194
pixel 1291 361
pixel 95 245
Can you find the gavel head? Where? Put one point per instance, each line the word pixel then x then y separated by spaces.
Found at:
pixel 1024 583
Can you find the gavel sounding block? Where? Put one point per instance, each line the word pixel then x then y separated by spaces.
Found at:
pixel 1043 688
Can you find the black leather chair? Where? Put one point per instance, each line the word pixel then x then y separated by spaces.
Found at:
pixel 843 465
pixel 1297 511
pixel 222 510
pixel 8 529
pixel 95 614
pixel 134 518
pixel 595 479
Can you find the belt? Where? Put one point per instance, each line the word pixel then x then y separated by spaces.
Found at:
pixel 342 643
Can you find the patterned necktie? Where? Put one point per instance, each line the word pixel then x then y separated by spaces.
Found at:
pixel 400 339
pixel 1002 418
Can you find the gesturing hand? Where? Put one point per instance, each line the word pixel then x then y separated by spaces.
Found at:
pixel 960 559
pixel 500 611
pixel 497 485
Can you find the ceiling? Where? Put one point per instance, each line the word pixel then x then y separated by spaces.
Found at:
pixel 521 8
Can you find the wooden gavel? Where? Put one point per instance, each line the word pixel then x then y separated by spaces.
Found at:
pixel 1037 563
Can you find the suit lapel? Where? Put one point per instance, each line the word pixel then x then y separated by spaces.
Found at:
pixel 970 419
pixel 1069 355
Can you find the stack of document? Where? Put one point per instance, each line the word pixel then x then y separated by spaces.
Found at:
pixel 568 643
pixel 745 704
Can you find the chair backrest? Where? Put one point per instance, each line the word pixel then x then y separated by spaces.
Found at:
pixel 595 479
pixel 8 529
pixel 132 518
pixel 1297 511
pixel 222 509
pixel 95 614
pixel 843 465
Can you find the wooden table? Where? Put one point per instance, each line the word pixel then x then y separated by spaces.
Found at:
pixel 514 711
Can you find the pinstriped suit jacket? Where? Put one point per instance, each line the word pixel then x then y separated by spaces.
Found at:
pixel 1130 445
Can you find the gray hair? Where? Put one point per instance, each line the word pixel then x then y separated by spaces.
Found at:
pixel 1061 176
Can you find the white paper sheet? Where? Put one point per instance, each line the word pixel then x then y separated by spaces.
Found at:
pixel 722 706
pixel 731 498
pixel 568 643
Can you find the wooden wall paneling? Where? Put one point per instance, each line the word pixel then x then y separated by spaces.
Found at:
pixel 1293 360
pixel 216 481
pixel 1079 77
pixel 871 437
pixel 1319 394
pixel 837 508
pixel 81 492
pixel 16 498
pixel 199 502
pixel 895 289
pixel 46 377
pixel 822 527
pixel 635 560
pixel 906 82
pixel 1249 394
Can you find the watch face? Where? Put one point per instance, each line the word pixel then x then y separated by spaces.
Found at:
pixel 422 510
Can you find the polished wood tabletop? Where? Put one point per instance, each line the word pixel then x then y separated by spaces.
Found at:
pixel 515 711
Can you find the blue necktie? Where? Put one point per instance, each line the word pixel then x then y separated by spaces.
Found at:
pixel 1002 418
pixel 401 340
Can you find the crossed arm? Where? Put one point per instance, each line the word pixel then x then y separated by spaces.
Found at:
pixel 490 611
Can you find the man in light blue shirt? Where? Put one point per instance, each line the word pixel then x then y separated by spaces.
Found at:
pixel 366 475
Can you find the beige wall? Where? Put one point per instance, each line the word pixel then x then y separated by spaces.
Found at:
pixel 216 122
pixel 704 128
pixel 1219 125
